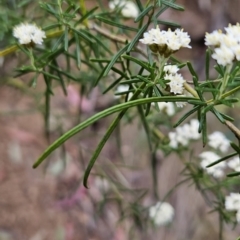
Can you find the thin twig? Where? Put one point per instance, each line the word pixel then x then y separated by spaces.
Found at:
pixel 114 37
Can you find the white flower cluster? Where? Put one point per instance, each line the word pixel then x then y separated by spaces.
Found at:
pixel 226 45
pixel 232 203
pixel 217 140
pixel 128 8
pixel 234 164
pixel 166 107
pixel 176 79
pixel 209 157
pixel 161 214
pixel 184 134
pixel 166 42
pixel 27 33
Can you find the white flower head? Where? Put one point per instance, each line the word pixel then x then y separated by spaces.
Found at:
pixel 167 107
pixel 226 46
pixel 234 164
pixel 223 55
pixel 161 214
pixel 193 130
pixel 214 38
pixel 128 8
pixel 207 158
pixel 27 33
pixel 217 140
pixel 176 83
pixel 173 140
pixel 234 31
pixel 170 69
pixel 181 104
pixel 166 42
pixel 184 134
pixel 232 202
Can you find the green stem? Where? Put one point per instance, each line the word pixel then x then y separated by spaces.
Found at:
pixel 190 90
pixel 224 82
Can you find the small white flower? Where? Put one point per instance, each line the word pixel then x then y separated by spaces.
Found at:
pixel 181 104
pixel 217 140
pixel 234 31
pixel 167 107
pixel 176 83
pixel 184 134
pixel 193 129
pixel 170 69
pixel 128 8
pixel 214 38
pixel 209 157
pixel 27 33
pixel 161 214
pixel 223 55
pixel 173 140
pixel 234 164
pixel 232 202
pixel 182 137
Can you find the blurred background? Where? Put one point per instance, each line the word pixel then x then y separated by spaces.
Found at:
pixel 50 202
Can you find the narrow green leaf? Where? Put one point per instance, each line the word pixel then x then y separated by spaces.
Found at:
pixel 82 35
pixel 115 24
pixel 172 5
pixel 185 116
pixel 163 9
pixel 157 91
pixel 100 76
pixel 143 64
pixel 218 115
pixel 60 77
pixel 234 174
pixel 145 126
pixel 114 59
pixel 98 116
pixel 58 43
pixel 167 23
pixel 226 117
pixel 87 15
pixel 143 13
pixel 140 6
pixel 78 51
pixel 55 25
pixel 222 159
pixel 136 38
pixel 159 3
pixel 203 127
pixel 130 81
pixel 112 85
pixel 121 73
pixel 207 65
pixel 149 104
pixel 98 40
pixel 235 147
pixel 66 39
